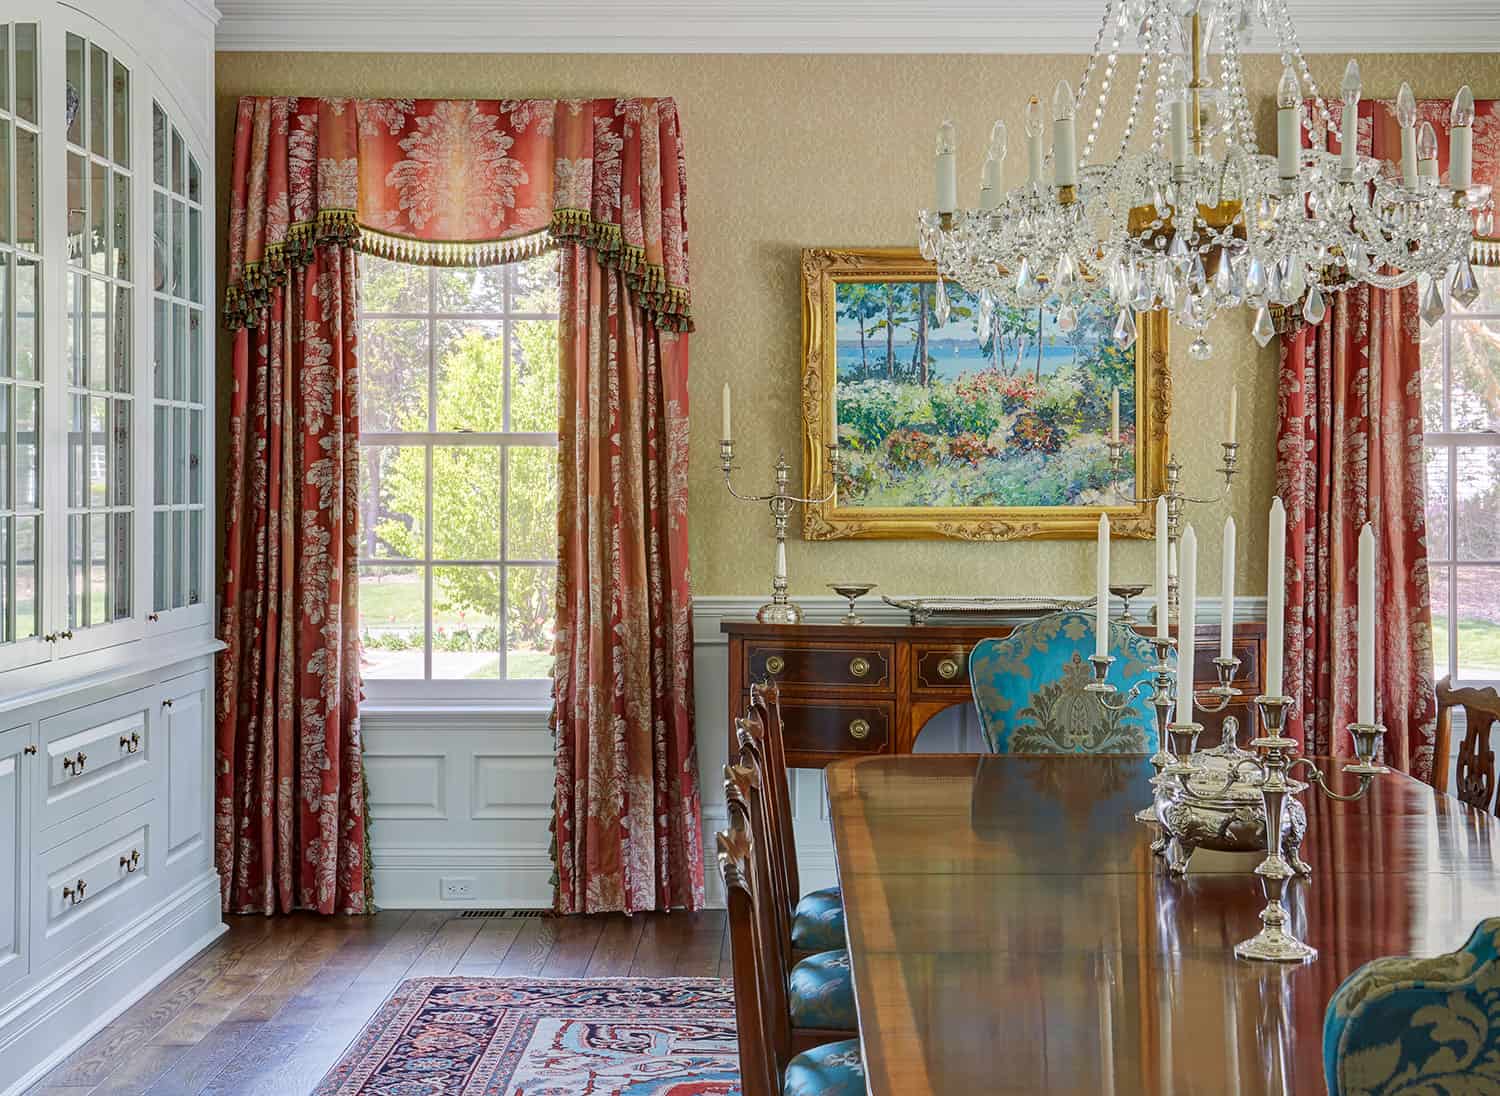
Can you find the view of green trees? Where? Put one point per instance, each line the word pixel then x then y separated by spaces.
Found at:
pixel 936 415
pixel 493 509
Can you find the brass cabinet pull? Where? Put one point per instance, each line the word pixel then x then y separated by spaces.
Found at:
pixel 74 765
pixel 131 862
pixel 775 664
pixel 167 703
pixel 859 666
pixel 948 669
pixel 65 635
pixel 153 617
pixel 859 729
pixel 74 895
pixel 29 751
pixel 132 743
pixel 50 637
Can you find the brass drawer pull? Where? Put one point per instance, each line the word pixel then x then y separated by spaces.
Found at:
pixel 29 751
pixel 131 744
pixel 948 669
pixel 74 895
pixel 859 729
pixel 74 765
pixel 775 664
pixel 859 666
pixel 131 862
pixel 167 703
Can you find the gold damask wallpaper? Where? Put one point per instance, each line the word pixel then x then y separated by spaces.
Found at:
pixel 786 152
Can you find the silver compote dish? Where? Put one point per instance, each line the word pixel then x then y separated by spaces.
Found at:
pixel 1212 800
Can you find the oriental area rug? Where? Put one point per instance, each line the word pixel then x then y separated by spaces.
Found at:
pixel 545 1037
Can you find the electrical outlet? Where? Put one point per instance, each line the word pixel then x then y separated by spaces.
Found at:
pixel 457 887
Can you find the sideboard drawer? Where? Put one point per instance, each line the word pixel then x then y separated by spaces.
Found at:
pixel 864 666
pixel 92 883
pixel 96 753
pixel 941 668
pixel 821 728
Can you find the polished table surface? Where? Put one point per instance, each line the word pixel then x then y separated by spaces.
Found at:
pixel 1011 932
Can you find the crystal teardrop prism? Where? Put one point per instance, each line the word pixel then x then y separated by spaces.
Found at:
pixel 986 316
pixel 1465 287
pixel 1067 319
pixel 1201 349
pixel 1313 309
pixel 1255 277
pixel 1224 279
pixel 1197 276
pixel 1125 329
pixel 1177 250
pixel 1263 330
pixel 1432 302
pixel 1025 280
pixel 940 306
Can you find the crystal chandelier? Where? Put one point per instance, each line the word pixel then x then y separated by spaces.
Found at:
pixel 1198 219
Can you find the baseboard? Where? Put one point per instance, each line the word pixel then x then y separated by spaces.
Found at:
pixel 76 1002
pixel 410 877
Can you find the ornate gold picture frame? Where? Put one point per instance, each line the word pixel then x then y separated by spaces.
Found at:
pixel 947 436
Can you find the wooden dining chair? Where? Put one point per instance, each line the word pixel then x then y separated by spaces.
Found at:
pixel 1476 756
pixel 768 1065
pixel 1029 688
pixel 820 987
pixel 817 918
pixel 1404 1024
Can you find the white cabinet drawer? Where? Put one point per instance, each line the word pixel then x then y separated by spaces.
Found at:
pixel 93 883
pixel 93 754
pixel 17 752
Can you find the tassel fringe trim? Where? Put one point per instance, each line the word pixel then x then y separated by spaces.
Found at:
pixel 1485 251
pixel 668 305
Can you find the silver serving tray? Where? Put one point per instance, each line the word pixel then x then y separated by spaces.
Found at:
pixel 975 610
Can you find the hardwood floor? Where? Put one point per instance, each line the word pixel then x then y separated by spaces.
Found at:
pixel 270 1006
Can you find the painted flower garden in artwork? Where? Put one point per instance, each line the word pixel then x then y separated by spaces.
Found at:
pixel 934 415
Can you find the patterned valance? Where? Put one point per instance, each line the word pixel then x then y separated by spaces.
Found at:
pixel 458 182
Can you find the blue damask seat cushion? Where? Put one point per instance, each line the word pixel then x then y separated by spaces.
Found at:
pixel 1418 1025
pixel 1030 690
pixel 833 1069
pixel 821 989
pixel 818 924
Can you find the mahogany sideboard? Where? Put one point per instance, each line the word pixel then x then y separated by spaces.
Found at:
pixel 848 690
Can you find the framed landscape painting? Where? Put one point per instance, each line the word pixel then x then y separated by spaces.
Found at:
pixel 947 433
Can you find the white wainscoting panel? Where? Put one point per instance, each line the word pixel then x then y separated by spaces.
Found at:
pixel 467 794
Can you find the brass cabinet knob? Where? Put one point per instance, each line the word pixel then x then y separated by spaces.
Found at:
pixel 29 751
pixel 948 669
pixel 132 743
pixel 153 617
pixel 859 666
pixel 775 664
pixel 65 635
pixel 859 729
pixel 74 765
pixel 131 862
pixel 74 894
pixel 167 703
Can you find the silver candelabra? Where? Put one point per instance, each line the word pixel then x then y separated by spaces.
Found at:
pixel 1177 501
pixel 780 609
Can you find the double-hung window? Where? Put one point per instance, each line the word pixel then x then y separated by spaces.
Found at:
pixel 1461 411
pixel 458 478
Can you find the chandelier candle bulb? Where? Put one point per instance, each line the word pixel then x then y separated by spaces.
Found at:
pixel 1162 571
pixel 1275 597
pixel 1461 140
pixel 1366 698
pixel 1406 117
pixel 1226 592
pixel 992 176
pixel 1288 136
pixel 1035 151
pixel 1064 137
pixel 1427 152
pixel 946 168
pixel 1186 620
pixel 1101 592
pixel 1349 138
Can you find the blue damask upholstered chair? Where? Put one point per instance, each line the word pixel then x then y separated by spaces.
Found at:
pixel 1029 689
pixel 1418 1025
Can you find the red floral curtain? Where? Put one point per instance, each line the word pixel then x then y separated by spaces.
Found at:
pixel 457 182
pixel 1349 450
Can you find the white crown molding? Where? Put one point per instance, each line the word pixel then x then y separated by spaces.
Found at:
pixel 796 26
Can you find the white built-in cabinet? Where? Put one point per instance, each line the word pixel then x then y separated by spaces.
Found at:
pixel 107 879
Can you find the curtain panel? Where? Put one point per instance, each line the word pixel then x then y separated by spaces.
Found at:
pixel 457 183
pixel 1349 450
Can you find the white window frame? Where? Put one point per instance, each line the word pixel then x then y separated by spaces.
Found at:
pixel 452 692
pixel 1445 599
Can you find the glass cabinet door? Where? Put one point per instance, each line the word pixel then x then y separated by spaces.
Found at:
pixel 21 366
pixel 179 412
pixel 98 337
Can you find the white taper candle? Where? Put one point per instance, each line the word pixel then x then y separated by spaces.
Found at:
pixel 1161 568
pixel 724 410
pixel 1232 418
pixel 1101 589
pixel 1275 598
pixel 1187 606
pixel 1114 414
pixel 1226 592
pixel 1366 698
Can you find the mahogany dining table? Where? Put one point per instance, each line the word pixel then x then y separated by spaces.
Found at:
pixel 1010 930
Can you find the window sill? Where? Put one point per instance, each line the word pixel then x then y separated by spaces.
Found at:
pixel 520 705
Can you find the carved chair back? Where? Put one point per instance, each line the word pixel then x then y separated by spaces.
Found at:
pixel 758 800
pixel 762 1007
pixel 1476 756
pixel 1029 688
pixel 765 700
